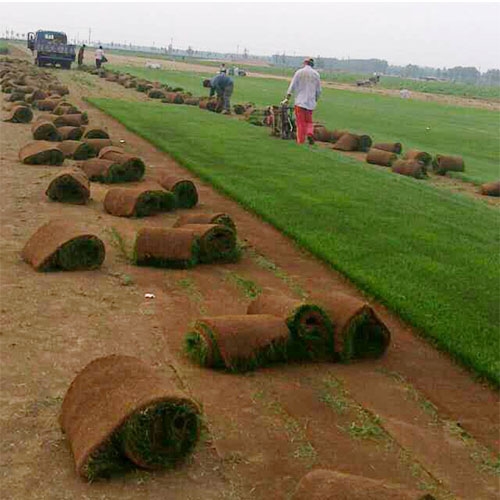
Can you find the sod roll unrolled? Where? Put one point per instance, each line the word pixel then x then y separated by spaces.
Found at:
pixel 185 192
pixel 442 164
pixel 45 131
pixel 138 202
pixel 219 218
pixel 19 114
pixel 421 156
pixel 162 247
pixel 217 243
pixel 238 343
pixel 118 412
pixel 410 168
pixel 392 147
pixel 77 150
pixel 57 245
pixel 69 186
pixel 133 165
pixel 490 189
pixel 41 153
pixel 379 157
pixel 96 133
pixel 359 332
pixel 310 327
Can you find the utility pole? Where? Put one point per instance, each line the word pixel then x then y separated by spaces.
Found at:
pixel 90 32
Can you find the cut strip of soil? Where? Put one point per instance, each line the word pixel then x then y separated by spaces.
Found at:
pixel 130 163
pixel 184 190
pixel 96 133
pixel 392 147
pixel 161 247
pixel 220 218
pixel 324 484
pixel 410 168
pixel 69 186
pixel 491 188
pixel 379 157
pixel 421 156
pixel 118 409
pixel 77 150
pixel 138 202
pixel 217 243
pixel 238 343
pixel 310 327
pixel 359 332
pixel 20 114
pixel 41 153
pixel 45 131
pixel 70 133
pixel 58 246
pixel 443 164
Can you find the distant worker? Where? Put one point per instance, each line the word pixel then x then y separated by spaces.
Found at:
pixel 80 54
pixel 223 86
pixel 306 86
pixel 99 56
pixel 222 68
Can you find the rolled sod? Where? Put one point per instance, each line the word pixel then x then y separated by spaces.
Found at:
pixel 322 484
pixel 442 164
pixel 98 144
pixel 130 84
pixel 133 167
pixel 69 186
pixel 109 149
pixel 238 343
pixel 47 104
pixel 77 150
pixel 174 98
pixel 65 108
pixel 61 90
pixel 348 142
pixel 41 153
pixel 72 120
pixel 45 131
pixel 191 101
pixel 36 95
pixel 185 192
pixel 359 332
pixel 220 218
pixel 70 133
pixel 58 246
pixel 119 413
pixel 107 171
pixel 421 156
pixel 138 202
pixel 156 94
pixel 337 134
pixel 392 147
pixel 490 189
pixel 96 133
pixel 162 247
pixel 311 330
pixel 15 96
pixel 410 168
pixel 322 134
pixel 19 114
pixel 379 157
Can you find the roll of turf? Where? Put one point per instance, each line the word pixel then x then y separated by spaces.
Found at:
pixel 185 192
pixel 410 168
pixel 322 134
pixel 348 142
pixel 421 156
pixel 77 150
pixel 238 343
pixel 138 202
pixel 58 246
pixel 131 164
pixel 69 186
pixel 442 164
pixel 108 149
pixel 219 218
pixel 45 131
pixel 73 120
pixel 379 157
pixel 107 171
pixel 359 332
pixel 392 147
pixel 96 133
pixel 491 189
pixel 311 330
pixel 47 104
pixel 365 142
pixel 36 95
pixel 65 108
pixel 41 153
pixel 118 412
pixel 19 114
pixel 70 133
pixel 170 248
pixel 61 90
pixel 98 144
pixel 156 94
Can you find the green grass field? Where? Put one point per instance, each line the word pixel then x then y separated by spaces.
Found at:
pixel 469 132
pixel 4 49
pixel 430 255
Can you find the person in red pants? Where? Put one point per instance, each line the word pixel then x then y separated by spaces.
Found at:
pixel 306 87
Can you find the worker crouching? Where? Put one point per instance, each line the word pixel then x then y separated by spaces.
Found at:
pixel 222 86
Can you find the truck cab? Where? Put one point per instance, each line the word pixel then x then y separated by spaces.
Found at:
pixel 51 47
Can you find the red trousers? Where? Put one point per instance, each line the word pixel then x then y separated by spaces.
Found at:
pixel 304 120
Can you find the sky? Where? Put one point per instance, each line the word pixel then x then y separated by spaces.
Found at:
pixel 428 34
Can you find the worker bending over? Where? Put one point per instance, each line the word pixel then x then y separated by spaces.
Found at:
pixel 306 87
pixel 223 86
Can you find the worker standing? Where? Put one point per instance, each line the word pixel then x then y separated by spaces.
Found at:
pixel 81 54
pixel 223 86
pixel 99 56
pixel 306 87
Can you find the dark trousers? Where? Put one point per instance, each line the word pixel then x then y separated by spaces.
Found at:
pixel 98 63
pixel 224 98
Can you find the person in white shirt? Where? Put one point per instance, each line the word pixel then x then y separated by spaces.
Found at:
pixel 99 55
pixel 306 87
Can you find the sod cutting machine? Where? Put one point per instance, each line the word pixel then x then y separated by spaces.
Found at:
pixel 282 121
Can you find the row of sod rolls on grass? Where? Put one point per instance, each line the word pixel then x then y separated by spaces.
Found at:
pixel 429 255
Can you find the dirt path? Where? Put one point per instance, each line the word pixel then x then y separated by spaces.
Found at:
pixel 426 423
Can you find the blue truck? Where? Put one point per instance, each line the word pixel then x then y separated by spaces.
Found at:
pixel 51 47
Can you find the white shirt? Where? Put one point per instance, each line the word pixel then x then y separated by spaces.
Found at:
pixel 99 53
pixel 306 87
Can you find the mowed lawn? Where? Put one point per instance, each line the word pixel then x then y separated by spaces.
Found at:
pixel 430 255
pixel 433 127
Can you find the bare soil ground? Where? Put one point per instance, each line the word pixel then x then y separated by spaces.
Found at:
pixel 413 417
